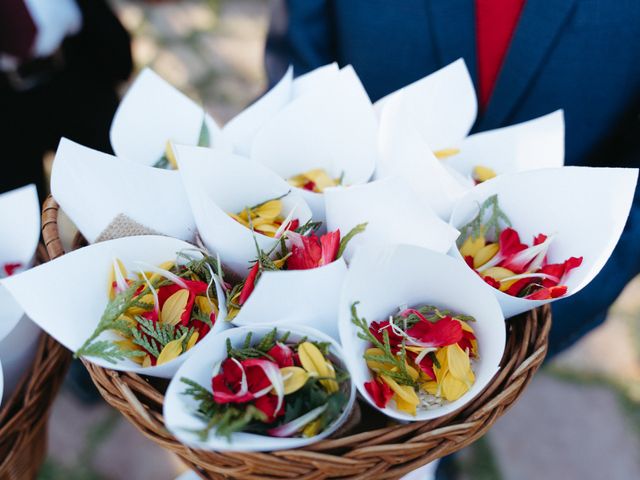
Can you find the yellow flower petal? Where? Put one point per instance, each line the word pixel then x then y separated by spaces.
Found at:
pixel 314 362
pixel 269 210
pixel 446 152
pixel 458 361
pixel 471 246
pixel 148 298
pixel 174 307
pixel 281 261
pixel 112 278
pixel 171 350
pixel 405 392
pixel 452 388
pixel 321 179
pixel 239 219
pixel 147 361
pixel 154 277
pixel 127 344
pixel 207 307
pixel 430 387
pixel 168 152
pixel 404 406
pixel 294 378
pixel 312 428
pixel 193 339
pixel 485 254
pixel 375 365
pixel 482 174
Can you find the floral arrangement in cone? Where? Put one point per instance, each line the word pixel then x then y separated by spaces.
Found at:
pixel 274 387
pixel 495 251
pixel 299 248
pixel 158 313
pixel 421 358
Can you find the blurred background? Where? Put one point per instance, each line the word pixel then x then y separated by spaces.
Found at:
pixel 579 419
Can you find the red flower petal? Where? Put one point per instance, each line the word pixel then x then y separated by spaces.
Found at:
pixel 445 331
pixel 377 329
pixel 518 285
pixel 469 260
pixel 380 392
pixel 559 270
pixel 223 394
pixel 510 242
pixel 330 244
pixel 249 284
pixel 306 253
pixel 540 238
pixel 426 364
pixel 545 293
pixel 267 404
pixel 282 355
pixel 10 268
pixel 256 378
pixel 491 281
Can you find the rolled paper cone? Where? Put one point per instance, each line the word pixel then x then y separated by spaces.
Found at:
pixel 584 208
pixel 241 130
pixel 152 113
pixel 20 218
pixel 393 212
pixel 17 349
pixel 297 297
pixel 441 106
pixel 20 212
pixel 67 296
pixel 537 143
pixel 182 420
pixel 219 183
pixel 316 79
pixel 94 188
pixel 385 279
pixel 332 128
pixel 404 153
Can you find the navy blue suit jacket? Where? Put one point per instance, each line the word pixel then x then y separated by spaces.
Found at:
pixel 579 55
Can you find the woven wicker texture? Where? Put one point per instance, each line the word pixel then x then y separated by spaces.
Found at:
pixel 23 418
pixel 374 448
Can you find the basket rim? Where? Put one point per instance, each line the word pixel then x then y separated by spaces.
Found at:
pixel 387 452
pixel 24 414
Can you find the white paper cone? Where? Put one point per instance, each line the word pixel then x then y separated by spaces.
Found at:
pixel 297 297
pixel 20 218
pixel 315 79
pixel 242 129
pixel 152 113
pixel 441 106
pixel 67 296
pixel 219 183
pixel 394 213
pixel 17 350
pixel 93 188
pixel 404 153
pixel 180 410
pixel 333 128
pixel 20 212
pixel 586 208
pixel 383 279
pixel 538 143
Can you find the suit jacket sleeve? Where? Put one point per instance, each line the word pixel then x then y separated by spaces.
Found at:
pixel 300 34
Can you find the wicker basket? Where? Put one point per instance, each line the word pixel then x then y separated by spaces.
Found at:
pixel 375 448
pixel 23 418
